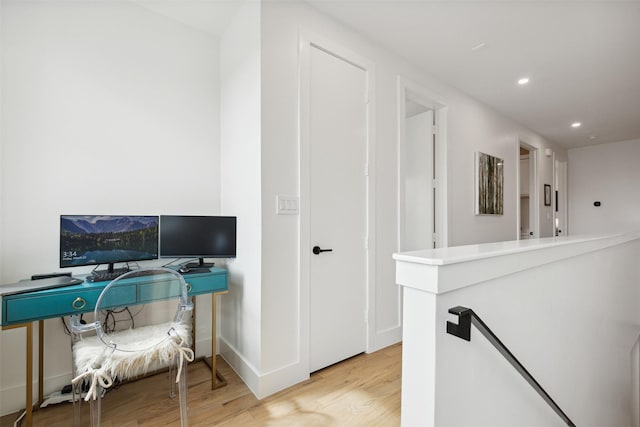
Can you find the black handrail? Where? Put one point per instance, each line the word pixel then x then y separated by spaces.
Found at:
pixel 466 317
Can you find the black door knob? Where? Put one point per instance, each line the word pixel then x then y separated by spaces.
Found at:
pixel 317 250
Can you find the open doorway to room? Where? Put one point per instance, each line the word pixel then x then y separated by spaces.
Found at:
pixel 421 169
pixel 527 194
pixel 560 203
pixel 418 220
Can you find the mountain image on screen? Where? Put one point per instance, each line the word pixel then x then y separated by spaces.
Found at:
pixel 88 240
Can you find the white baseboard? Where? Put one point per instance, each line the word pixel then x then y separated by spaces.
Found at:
pixel 282 378
pixel 384 338
pixel 240 365
pixel 262 385
pixel 13 398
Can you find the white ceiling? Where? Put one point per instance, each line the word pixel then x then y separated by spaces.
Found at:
pixel 211 16
pixel 582 57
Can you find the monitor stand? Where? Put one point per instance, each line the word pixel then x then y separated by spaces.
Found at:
pixel 111 270
pixel 109 273
pixel 200 264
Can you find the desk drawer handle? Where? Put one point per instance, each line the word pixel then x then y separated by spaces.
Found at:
pixel 79 303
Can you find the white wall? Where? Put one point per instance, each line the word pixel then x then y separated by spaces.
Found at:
pixel 608 173
pixel 474 127
pixel 471 127
pixel 241 338
pixel 107 108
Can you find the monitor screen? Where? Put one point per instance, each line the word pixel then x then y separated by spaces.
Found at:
pixel 197 236
pixel 106 239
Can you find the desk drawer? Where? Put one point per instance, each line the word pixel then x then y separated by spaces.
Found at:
pixel 206 283
pixel 36 307
pixel 197 283
pixel 159 290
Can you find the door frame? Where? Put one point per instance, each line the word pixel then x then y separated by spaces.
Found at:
pixel 408 89
pixel 534 193
pixel 306 41
pixel 560 203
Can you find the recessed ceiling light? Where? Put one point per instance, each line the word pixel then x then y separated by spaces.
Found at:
pixel 523 81
pixel 576 124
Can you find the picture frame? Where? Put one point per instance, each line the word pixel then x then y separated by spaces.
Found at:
pixel 489 194
pixel 547 195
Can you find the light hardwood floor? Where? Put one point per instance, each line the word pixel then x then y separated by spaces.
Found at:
pixel 361 391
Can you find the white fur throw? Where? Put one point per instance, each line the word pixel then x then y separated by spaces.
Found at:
pixel 128 364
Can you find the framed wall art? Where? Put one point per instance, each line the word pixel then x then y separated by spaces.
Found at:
pixel 489 185
pixel 547 195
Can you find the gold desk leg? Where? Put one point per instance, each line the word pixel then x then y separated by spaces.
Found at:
pixel 193 325
pixel 29 360
pixel 29 402
pixel 217 380
pixel 40 363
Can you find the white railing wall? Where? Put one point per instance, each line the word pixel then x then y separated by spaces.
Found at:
pixel 567 308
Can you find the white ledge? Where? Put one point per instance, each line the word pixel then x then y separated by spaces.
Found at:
pixel 447 269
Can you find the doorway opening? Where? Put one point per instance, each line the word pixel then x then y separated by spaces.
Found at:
pixel 560 226
pixel 527 193
pixel 421 170
pixel 418 177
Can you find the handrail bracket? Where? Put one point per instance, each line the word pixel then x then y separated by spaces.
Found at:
pixel 463 328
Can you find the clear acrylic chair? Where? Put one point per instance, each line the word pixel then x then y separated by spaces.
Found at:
pixel 142 323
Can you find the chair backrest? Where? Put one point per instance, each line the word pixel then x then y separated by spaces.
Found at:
pixel 154 301
pixel 142 322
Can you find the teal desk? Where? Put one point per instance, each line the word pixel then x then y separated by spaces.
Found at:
pixel 21 310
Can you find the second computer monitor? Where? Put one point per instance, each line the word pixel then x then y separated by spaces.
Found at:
pixel 197 237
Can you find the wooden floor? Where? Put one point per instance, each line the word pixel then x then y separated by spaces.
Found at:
pixel 361 391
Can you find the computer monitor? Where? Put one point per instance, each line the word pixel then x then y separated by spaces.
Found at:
pixel 107 239
pixel 197 237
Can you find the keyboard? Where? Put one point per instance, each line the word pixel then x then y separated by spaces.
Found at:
pixel 106 276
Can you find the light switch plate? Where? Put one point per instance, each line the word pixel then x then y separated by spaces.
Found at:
pixel 287 205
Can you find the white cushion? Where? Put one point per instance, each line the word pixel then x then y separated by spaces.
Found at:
pixel 129 364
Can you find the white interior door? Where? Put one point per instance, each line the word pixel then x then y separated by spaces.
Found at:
pixel 417 209
pixel 337 209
